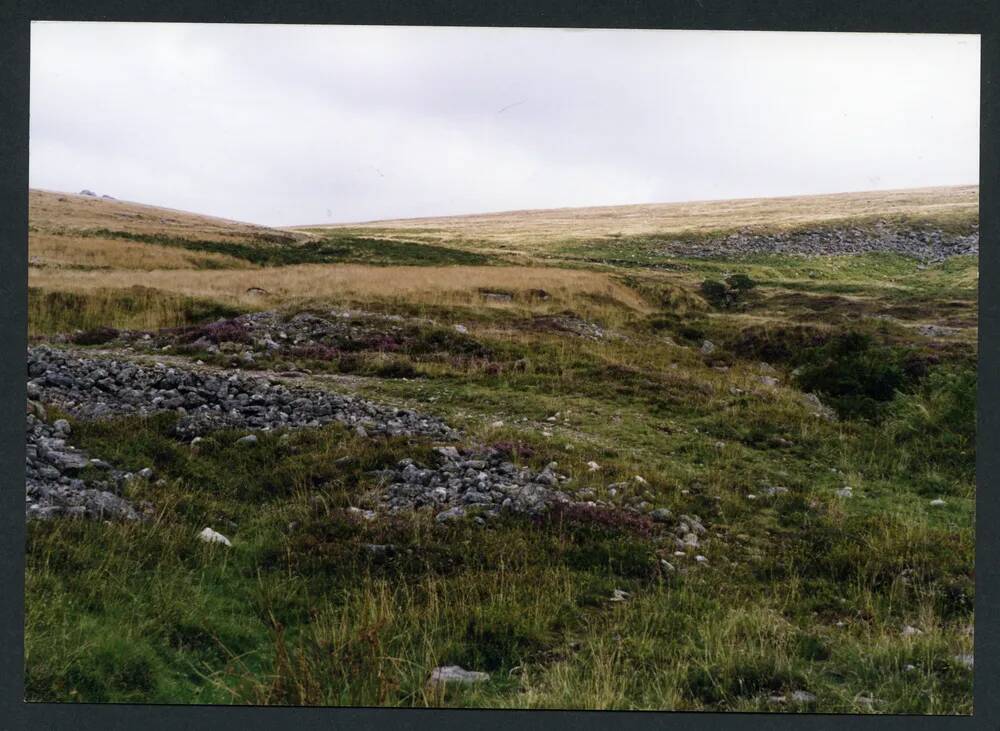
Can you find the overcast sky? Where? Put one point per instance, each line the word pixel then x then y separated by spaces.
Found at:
pixel 287 125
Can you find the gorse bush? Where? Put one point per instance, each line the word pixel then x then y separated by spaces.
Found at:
pixel 732 293
pixel 856 375
pixel 740 283
pixel 715 292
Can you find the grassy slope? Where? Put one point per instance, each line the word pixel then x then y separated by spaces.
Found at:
pixel 804 590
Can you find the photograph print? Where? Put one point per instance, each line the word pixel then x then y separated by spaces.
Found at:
pixel 501 368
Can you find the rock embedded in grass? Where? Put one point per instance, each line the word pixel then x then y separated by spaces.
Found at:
pixel 457 675
pixel 210 536
pixel 54 488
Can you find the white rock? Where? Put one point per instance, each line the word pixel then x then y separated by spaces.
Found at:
pixel 593 466
pixel 461 329
pixel 457 674
pixel 364 514
pixel 845 492
pixel 497 425
pixel 911 631
pixel 619 596
pixel 803 696
pixel 210 536
pixel 937 502
pixel 641 480
pixel 700 559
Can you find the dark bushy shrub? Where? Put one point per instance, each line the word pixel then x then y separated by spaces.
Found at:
pixel 776 344
pixel 220 331
pixel 97 336
pixel 855 375
pixel 732 293
pixel 716 293
pixel 740 283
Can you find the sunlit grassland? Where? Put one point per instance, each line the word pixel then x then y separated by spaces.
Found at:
pixel 550 230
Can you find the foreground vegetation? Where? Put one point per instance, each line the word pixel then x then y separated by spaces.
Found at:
pixel 861 602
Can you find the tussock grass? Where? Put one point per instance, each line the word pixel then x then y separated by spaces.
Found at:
pixel 300 612
pixel 802 590
pixel 89 252
pixel 132 308
pixel 431 286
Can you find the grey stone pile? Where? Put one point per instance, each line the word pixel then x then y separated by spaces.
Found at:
pixel 928 246
pixel 310 334
pixel 95 388
pixel 480 481
pixel 53 486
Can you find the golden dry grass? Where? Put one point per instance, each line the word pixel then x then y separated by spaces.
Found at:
pixel 93 252
pixel 51 211
pixel 348 282
pixel 540 227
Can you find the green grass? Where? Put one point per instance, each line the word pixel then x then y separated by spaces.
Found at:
pixel 334 248
pixel 299 612
pixel 804 590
